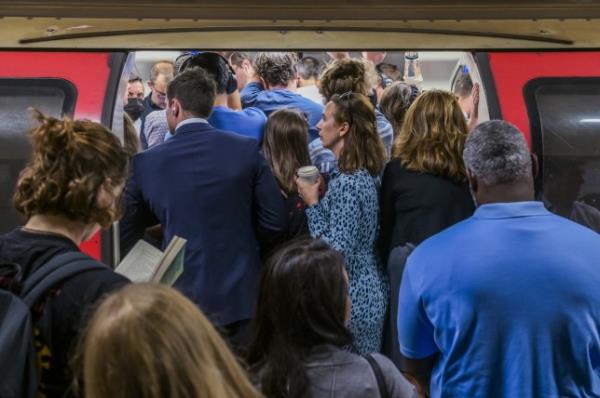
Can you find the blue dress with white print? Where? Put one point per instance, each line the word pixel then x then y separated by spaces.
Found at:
pixel 347 218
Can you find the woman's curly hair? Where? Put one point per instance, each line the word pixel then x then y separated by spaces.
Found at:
pixel 353 74
pixel 71 160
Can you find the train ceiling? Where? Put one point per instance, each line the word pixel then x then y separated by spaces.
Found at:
pixel 292 24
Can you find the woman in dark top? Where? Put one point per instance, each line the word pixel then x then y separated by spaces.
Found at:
pixel 285 146
pixel 424 188
pixel 301 332
pixel 67 192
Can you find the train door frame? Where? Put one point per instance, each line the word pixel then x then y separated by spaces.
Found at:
pixel 99 91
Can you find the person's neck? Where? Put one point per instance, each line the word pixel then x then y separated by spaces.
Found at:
pixel 308 82
pixel 506 193
pixel 291 86
pixel 221 100
pixel 337 148
pixel 74 230
pixel 155 102
pixel 188 115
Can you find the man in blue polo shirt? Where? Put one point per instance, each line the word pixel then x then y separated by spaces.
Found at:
pixel 507 302
pixel 274 88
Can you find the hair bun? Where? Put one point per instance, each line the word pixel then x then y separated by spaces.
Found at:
pixel 52 136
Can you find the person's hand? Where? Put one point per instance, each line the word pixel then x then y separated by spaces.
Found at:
pixel 322 186
pixel 309 192
pixel 474 117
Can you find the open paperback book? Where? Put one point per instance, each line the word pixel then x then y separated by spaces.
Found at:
pixel 145 263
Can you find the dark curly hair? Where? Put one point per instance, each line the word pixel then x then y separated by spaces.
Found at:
pixel 276 68
pixel 70 162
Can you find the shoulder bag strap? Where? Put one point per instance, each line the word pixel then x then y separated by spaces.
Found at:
pixel 383 391
pixel 55 271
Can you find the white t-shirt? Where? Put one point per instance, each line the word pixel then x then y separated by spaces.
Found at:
pixel 311 92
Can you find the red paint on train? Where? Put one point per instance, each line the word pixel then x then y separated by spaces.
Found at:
pixel 513 70
pixel 88 72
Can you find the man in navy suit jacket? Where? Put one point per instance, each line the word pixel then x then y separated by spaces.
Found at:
pixel 213 188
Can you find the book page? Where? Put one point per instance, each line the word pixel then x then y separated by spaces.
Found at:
pixel 175 269
pixel 171 264
pixel 140 263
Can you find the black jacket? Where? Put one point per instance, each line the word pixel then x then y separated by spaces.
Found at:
pixel 415 206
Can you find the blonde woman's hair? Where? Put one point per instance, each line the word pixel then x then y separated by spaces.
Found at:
pixel 432 137
pixel 148 341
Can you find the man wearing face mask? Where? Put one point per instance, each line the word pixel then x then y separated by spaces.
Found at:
pixel 134 100
pixel 504 303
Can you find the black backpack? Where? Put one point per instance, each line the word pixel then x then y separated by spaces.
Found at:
pixel 18 362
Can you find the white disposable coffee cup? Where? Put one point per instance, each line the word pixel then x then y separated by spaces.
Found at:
pixel 308 173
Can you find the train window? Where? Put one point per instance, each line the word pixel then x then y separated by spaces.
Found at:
pixel 565 132
pixel 54 97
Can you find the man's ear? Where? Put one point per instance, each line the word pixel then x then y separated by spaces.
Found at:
pixel 535 166
pixel 150 84
pixel 472 181
pixel 174 107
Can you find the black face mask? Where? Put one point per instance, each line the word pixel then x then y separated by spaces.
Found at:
pixel 134 108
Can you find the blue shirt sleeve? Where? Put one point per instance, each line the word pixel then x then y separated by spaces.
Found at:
pixel 385 131
pixel 415 331
pixel 256 113
pixel 249 94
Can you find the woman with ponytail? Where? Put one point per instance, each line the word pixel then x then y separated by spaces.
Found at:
pixel 67 192
pixel 301 339
pixel 347 216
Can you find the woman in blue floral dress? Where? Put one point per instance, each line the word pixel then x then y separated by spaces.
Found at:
pixel 347 216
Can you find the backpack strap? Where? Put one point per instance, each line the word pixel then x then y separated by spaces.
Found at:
pixel 55 271
pixel 383 391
